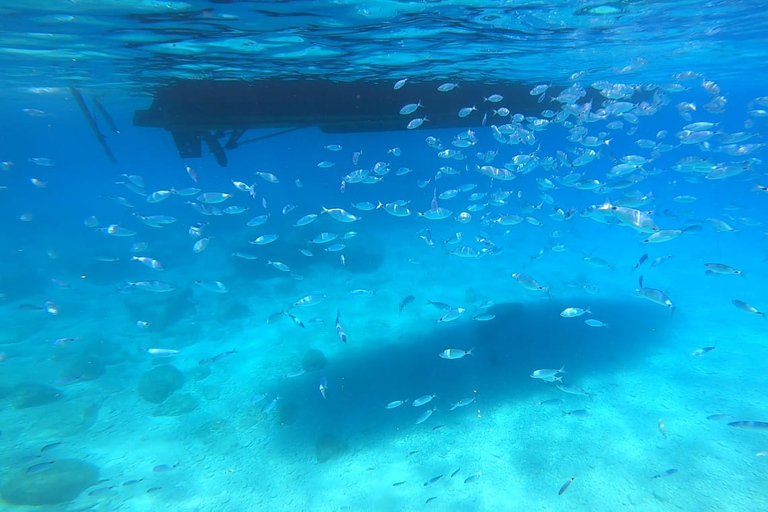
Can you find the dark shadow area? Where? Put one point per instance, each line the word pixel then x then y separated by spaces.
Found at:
pixel 522 338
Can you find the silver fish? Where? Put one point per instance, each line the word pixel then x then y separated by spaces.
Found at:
pixel 572 390
pixel 425 416
pixel 339 329
pixel 654 295
pixel 423 400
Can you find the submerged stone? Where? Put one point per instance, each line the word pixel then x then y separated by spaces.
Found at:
pixel 329 446
pixel 176 405
pixel 159 383
pixel 33 394
pixel 85 368
pixel 199 372
pixel 61 482
pixel 313 360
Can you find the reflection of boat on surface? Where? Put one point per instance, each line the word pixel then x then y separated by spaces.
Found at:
pixel 197 111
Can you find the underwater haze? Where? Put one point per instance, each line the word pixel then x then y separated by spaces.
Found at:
pixel 452 255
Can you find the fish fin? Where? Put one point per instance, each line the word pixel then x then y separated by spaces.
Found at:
pixel 471 351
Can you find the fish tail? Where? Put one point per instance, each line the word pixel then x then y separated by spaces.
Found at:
pixel 471 351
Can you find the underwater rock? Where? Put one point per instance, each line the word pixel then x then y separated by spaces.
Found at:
pixel 176 405
pixel 199 372
pixel 61 419
pixel 33 394
pixel 63 481
pixel 159 383
pixel 313 360
pixel 329 446
pixel 85 368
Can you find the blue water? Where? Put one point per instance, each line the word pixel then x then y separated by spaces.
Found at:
pixel 109 399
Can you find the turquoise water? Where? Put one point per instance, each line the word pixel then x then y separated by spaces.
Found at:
pixel 237 376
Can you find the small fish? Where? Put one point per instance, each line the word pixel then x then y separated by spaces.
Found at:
pixel 552 401
pixel 269 406
pixel 654 295
pixel 395 404
pixel 574 312
pixel 640 262
pixel 101 491
pixel 259 397
pixel 42 466
pixel 719 268
pixel 749 425
pixel 309 300
pixel 153 489
pixel 323 386
pixel 701 351
pixel 463 402
pixel 407 300
pixel 339 329
pixel 456 353
pixel 268 177
pixel 279 266
pixel 748 308
pixel 49 447
pixel 244 255
pixel 662 428
pixel 264 239
pixel 592 322
pixel 432 480
pixel 578 413
pixel 548 375
pixel 719 417
pixel 396 484
pixel 362 292
pixel 572 390
pixel 472 478
pixel 217 357
pixel 161 352
pixel 665 473
pixel 163 468
pixel 566 485
pixel 437 427
pixel 423 400
pixel 430 499
pixel 295 373
pixel 451 315
pixel 455 472
pixel 529 283
pixel 295 319
pixel 425 416
pixel 213 286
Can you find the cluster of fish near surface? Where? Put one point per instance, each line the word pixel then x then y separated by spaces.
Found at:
pixel 485 206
